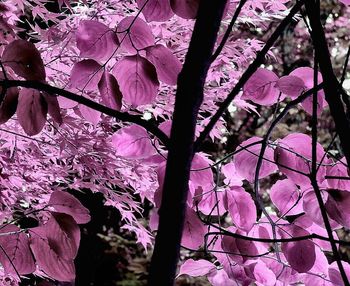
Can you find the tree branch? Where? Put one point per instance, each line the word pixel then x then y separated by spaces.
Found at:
pixel 248 73
pixel 189 97
pixel 122 116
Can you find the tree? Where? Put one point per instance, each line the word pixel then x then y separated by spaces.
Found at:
pixel 134 90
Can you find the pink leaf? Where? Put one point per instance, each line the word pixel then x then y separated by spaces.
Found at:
pixel 91 115
pixel 55 245
pixel 339 170
pixel 194 231
pixel 137 79
pixel 186 9
pixel 64 202
pixel 110 92
pixel 220 278
pixel 134 34
pixel 312 209
pixel 212 202
pixel 285 196
pixel 133 142
pixel 53 107
pixel 16 247
pixel 263 274
pixel 294 153
pixel 246 160
pixel 291 85
pixel 31 111
pixel 95 40
pixel 301 255
pixel 338 207
pixel 49 261
pixel 241 208
pixel 201 173
pixel 307 75
pixel 261 89
pixel 346 2
pixel 167 65
pixel 85 75
pixel 63 240
pixel 9 105
pixel 334 273
pixel 24 59
pixel 156 10
pixel 196 268
pixel 231 175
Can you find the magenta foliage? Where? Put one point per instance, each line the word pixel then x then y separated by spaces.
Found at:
pixel 127 57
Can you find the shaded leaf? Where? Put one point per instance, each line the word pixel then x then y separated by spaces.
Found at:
pixel 186 9
pixel 31 111
pixel 137 80
pixel 95 40
pixel 133 142
pixel 167 65
pixel 134 34
pixel 156 10
pixel 64 202
pixel 18 255
pixel 25 60
pixel 85 75
pixel 110 92
pixel 196 268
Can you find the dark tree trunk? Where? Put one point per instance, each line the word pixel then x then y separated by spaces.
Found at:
pixel 189 97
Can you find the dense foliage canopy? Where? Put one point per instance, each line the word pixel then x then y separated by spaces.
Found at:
pixel 87 92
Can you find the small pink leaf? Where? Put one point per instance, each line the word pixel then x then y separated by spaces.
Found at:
pixel 85 75
pixel 186 9
pixel 16 246
pixel 291 85
pixel 231 175
pixel 95 40
pixel 110 92
pixel 91 115
pixel 246 160
pixel 31 111
pixel 241 208
pixel 196 268
pixel 339 170
pixel 133 142
pixel 261 88
pixel 285 196
pixel 155 10
pixel 307 75
pixel 346 2
pixel 167 65
pixel 64 202
pixel 53 107
pixel 134 34
pixel 194 230
pixel 137 80
pixel 201 173
pixel 293 155
pixel 24 59
pixel 338 207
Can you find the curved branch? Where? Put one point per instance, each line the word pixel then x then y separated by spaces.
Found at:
pixel 122 116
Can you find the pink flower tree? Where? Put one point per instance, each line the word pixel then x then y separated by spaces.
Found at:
pixel 121 98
